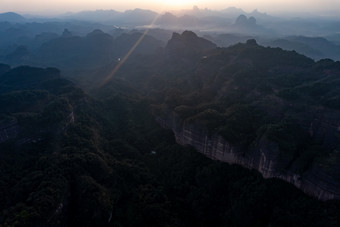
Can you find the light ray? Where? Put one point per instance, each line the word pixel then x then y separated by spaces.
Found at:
pixel 122 61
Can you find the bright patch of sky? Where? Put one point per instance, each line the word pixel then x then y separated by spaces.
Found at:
pixel 61 6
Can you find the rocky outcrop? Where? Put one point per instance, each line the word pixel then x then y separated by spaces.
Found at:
pixel 188 42
pixel 242 20
pixel 66 34
pixel 265 157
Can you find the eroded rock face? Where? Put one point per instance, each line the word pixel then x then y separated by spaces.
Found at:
pixel 265 157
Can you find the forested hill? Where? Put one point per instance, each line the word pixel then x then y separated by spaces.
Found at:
pixel 72 158
pixel 266 103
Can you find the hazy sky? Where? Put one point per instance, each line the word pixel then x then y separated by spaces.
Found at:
pixel 46 6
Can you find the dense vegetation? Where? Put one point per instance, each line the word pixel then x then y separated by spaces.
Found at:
pixel 100 159
pixel 280 95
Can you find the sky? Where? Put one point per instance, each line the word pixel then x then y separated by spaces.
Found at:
pixel 61 6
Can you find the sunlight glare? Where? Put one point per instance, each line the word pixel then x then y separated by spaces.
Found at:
pixel 179 4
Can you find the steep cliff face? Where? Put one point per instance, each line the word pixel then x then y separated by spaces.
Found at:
pixel 265 157
pixel 263 108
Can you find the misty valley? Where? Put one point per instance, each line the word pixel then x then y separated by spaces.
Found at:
pixel 185 118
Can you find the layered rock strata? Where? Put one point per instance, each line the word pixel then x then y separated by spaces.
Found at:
pixel 265 157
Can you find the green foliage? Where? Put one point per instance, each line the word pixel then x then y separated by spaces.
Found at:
pixel 56 111
pixel 243 133
pixel 288 136
pixel 114 166
pixel 295 144
pixel 208 118
pixel 288 94
pixel 18 100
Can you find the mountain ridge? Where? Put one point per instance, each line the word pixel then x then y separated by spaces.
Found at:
pixel 246 94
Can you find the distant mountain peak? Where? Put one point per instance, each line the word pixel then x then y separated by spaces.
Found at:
pixel 188 40
pixel 11 17
pixel 175 36
pixel 252 42
pixel 233 11
pixel 189 35
pixel 242 20
pixel 167 18
pixel 97 31
pixel 195 8
pixel 141 11
pixel 66 33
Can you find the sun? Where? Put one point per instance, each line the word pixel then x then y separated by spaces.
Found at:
pixel 179 4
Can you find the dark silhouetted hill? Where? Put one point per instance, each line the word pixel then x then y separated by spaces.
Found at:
pixel 26 78
pixel 314 47
pixel 243 21
pixel 11 17
pixel 4 68
pixel 68 158
pixel 20 55
pixel 94 50
pixel 139 17
pixel 239 91
pixel 188 42
pixel 167 19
